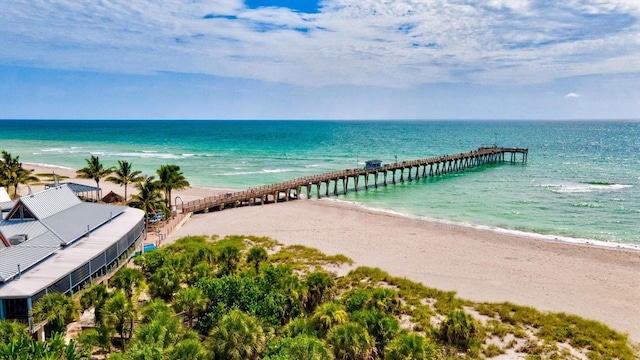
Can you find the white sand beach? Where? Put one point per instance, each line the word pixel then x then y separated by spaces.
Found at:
pixel 481 265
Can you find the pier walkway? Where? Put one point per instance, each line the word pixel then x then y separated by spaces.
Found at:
pixel 382 176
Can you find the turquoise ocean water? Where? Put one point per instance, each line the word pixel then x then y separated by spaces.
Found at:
pixel 582 179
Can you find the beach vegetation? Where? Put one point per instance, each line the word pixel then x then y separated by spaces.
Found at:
pixel 171 178
pixel 459 328
pixel 256 256
pixel 290 309
pixel 351 341
pixel 149 198
pixel 127 279
pixel 238 336
pixel 410 346
pixel 124 175
pixel 94 297
pixel 57 310
pixel 13 174
pixel 94 170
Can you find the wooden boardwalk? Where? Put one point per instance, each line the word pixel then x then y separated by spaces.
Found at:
pixel 337 181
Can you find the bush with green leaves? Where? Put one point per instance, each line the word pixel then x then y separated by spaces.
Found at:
pixel 458 329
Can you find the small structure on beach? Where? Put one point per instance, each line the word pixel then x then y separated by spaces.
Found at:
pixel 84 192
pixel 112 197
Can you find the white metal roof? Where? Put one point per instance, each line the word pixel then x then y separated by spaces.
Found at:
pixel 26 255
pixel 51 201
pixel 65 260
pixel 61 216
pixel 4 197
pixel 73 223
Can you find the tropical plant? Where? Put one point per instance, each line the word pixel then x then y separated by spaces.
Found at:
pixel 299 326
pixel 54 348
pixel 127 279
pixel 228 259
pixel 13 174
pixel 298 348
pixel 148 198
pixel 124 174
pixel 385 300
pixel 329 315
pixel 191 301
pixel 383 328
pixel 154 309
pixel 170 178
pixel 238 336
pixel 10 330
pixel 458 328
pixel 351 341
pixel 188 349
pixel 319 288
pixel 94 170
pixel 256 256
pixel 410 346
pixel 94 297
pixel 57 310
pixel 164 283
pixel 118 312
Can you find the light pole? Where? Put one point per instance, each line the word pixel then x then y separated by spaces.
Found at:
pixel 396 158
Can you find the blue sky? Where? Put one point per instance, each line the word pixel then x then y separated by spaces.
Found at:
pixel 332 59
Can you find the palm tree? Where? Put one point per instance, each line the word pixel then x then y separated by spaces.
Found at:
pixel 95 297
pixel 95 171
pixel 148 199
pixel 124 175
pixel 171 178
pixel 118 311
pixel 458 328
pixel 164 282
pixel 190 300
pixel 154 309
pixel 238 336
pixel 56 309
pixel 126 279
pixel 308 348
pixel 319 288
pixel 188 349
pixel 329 315
pixel 228 259
pixel 12 173
pixel 10 330
pixel 409 346
pixel 351 341
pixel 383 328
pixel 23 176
pixel 255 256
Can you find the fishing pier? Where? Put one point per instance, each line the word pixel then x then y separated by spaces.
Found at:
pixel 339 181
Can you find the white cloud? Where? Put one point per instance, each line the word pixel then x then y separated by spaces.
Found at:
pixel 394 43
pixel 572 95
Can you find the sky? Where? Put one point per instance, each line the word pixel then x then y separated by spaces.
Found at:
pixel 327 59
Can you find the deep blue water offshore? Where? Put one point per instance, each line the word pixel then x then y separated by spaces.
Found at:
pixel 582 179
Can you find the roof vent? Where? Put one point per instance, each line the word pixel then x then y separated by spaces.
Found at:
pixel 18 239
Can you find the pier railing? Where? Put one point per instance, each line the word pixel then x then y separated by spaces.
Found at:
pixel 390 173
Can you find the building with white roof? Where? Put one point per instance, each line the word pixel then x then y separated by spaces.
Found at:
pixel 52 242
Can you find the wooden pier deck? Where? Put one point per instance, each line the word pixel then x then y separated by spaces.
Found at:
pixel 339 180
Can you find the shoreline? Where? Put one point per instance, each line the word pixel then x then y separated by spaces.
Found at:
pixel 199 192
pixel 495 229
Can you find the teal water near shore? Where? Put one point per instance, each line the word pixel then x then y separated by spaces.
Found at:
pixel 582 178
